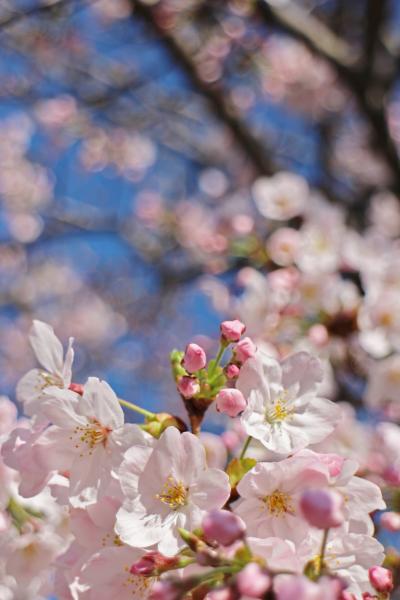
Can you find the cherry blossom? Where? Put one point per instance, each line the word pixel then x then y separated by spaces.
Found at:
pixel 167 488
pixel 87 438
pixel 283 410
pixel 56 370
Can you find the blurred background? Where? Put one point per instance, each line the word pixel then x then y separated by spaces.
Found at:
pixel 131 133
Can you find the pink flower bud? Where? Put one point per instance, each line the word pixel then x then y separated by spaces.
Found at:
pixel 252 581
pixel 194 359
pixel 77 388
pixel 188 386
pixel 232 371
pixel 322 508
pixel 231 402
pixel 223 527
pixel 381 579
pixel 245 349
pixel 390 521
pixel 153 563
pixel 164 590
pixel 232 330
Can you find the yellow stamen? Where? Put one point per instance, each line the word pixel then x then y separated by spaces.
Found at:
pixel 278 503
pixel 279 410
pixel 174 494
pixel 91 435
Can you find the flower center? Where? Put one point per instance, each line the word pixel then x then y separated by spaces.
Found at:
pixel 48 379
pixel 173 494
pixel 278 503
pixel 279 410
pixel 92 434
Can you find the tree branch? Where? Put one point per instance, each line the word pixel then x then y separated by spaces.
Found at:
pixel 250 145
pixel 294 21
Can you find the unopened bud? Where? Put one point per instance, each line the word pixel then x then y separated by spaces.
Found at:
pixel 188 386
pixel 223 527
pixel 245 349
pixel 232 331
pixel 381 579
pixel 231 402
pixel 153 563
pixel 322 508
pixel 194 359
pixel 232 371
pixel 253 581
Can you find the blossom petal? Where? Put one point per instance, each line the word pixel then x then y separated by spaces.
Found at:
pixel 47 347
pixel 302 369
pixel 211 490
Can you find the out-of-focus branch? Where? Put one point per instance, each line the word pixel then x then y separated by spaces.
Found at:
pixel 296 22
pixel 375 17
pixel 245 140
pixel 40 9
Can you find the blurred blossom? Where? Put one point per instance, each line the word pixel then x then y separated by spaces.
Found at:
pixel 110 10
pixel 24 227
pixel 57 112
pixel 280 197
pixel 213 182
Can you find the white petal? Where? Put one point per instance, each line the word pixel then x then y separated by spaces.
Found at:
pixel 47 347
pixel 138 529
pixel 100 401
pixel 69 359
pixel 303 369
pixel 258 373
pixel 211 490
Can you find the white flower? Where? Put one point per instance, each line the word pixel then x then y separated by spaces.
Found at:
pixel 87 437
pixel 56 369
pixel 270 494
pixel 284 412
pixel 169 488
pixel 282 196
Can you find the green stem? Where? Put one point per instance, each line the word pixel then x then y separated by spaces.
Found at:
pixel 222 347
pixel 323 549
pixel 138 409
pixel 245 447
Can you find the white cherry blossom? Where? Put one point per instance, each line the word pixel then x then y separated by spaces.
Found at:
pixel 169 488
pixel 284 411
pixel 87 437
pixel 55 371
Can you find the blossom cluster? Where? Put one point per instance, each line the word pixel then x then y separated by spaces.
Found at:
pixel 93 507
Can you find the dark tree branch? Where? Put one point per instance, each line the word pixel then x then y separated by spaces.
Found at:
pixel 250 145
pixel 294 21
pixel 41 9
pixel 375 17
